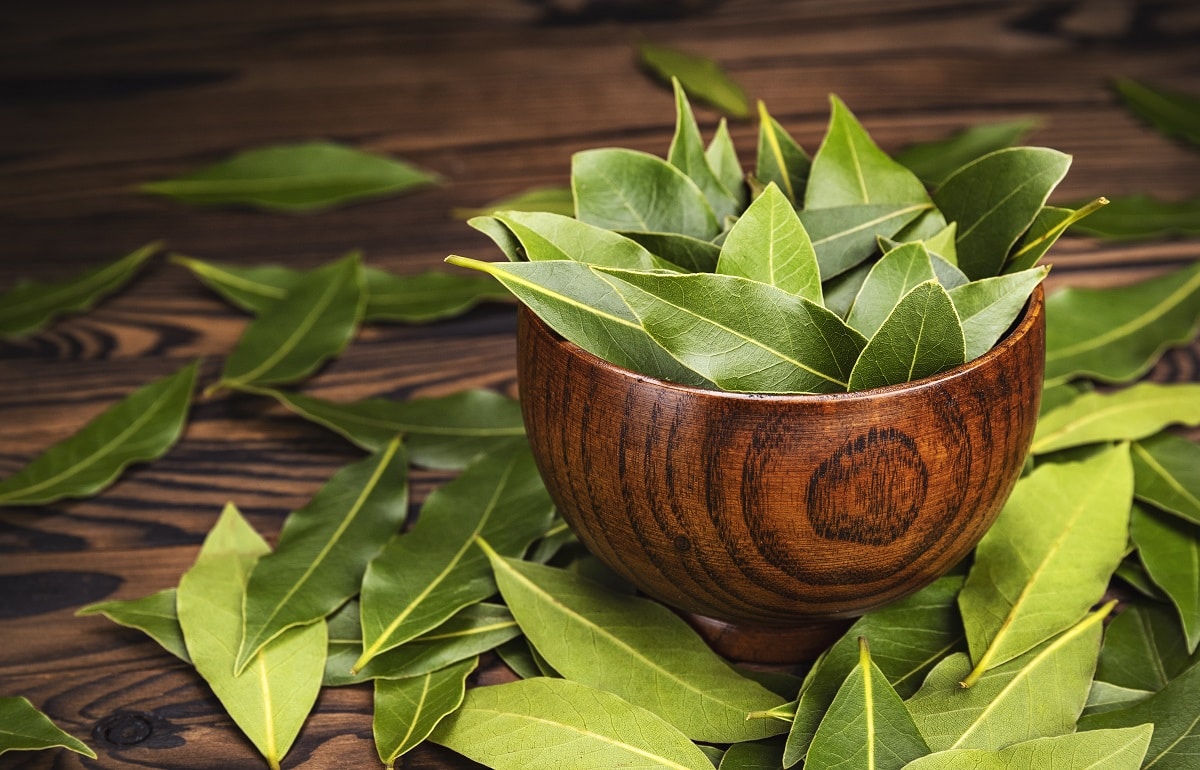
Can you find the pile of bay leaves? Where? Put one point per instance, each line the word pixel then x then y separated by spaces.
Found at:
pixel 1016 660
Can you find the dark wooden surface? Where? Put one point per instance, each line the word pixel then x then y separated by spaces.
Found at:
pixel 96 97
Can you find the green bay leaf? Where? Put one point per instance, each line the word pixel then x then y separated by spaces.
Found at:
pixel 780 159
pixel 253 289
pixel 1173 113
pixel 553 200
pixel 896 273
pixel 565 725
pixel 634 648
pixel 840 291
pixel 425 576
pixel 1110 697
pixel 1117 334
pixel 547 237
pixel 700 76
pixel 1048 558
pixel 1166 473
pixel 1050 223
pixel 1144 649
pixel 433 295
pixel 153 615
pixel 846 235
pixel 988 307
pixel 769 245
pixel 1124 415
pixel 295 178
pixel 1142 217
pixel 687 153
pixel 407 710
pixel 142 426
pixel 1117 749
pixel 765 754
pixel 934 161
pixel 723 160
pixel 920 337
pixel 24 728
pixel 681 251
pixel 1169 547
pixel 29 306
pixel 324 548
pixel 741 334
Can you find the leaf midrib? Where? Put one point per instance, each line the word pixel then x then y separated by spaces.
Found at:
pixel 1165 475
pixel 70 288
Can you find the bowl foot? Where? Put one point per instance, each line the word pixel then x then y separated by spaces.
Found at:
pixel 763 644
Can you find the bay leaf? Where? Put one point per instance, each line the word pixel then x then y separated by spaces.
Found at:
pixel 546 237
pixel 687 153
pixel 408 710
pixel 293 337
pixel 29 306
pixel 1117 334
pixel 295 178
pixel 425 576
pixel 620 189
pixel 433 295
pixel 934 161
pixel 565 725
pixel 768 244
pixel 1169 547
pixel 1134 575
pixel 142 426
pixel 907 638
pixel 845 236
pixel 1144 649
pixel 989 306
pixel 518 656
pixel 1143 217
pixel 741 334
pixel 896 273
pixel 849 168
pixel 920 337
pixel 1110 697
pixel 558 536
pixel 700 76
pixel 1039 694
pixel 253 289
pixel 585 309
pixel 324 547
pixel 444 432
pixel 1054 396
pixel 24 728
pixel 634 648
pixel 839 292
pixel 780 159
pixel 272 698
pixel 1125 415
pixel 1166 474
pixel 1175 714
pixel 1121 749
pixel 153 615
pixel 501 236
pixel 766 754
pixel 867 725
pixel 682 251
pixel 1050 223
pixel 1048 558
pixel 995 199
pixel 1172 113
pixel 551 199
pixel 470 632
pixel 723 160
pixel 943 243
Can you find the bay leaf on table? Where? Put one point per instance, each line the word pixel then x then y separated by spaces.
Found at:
pixel 551 199
pixel 723 160
pixel 1117 749
pixel 741 334
pixel 1048 558
pixel 780 159
pixel 1038 694
pixel 444 432
pixel 1125 415
pixel 934 161
pixel 1116 335
pixel 620 189
pixel 849 168
pixel 294 178
pixel 425 576
pixel 920 337
pixel 1169 547
pixel 324 547
pixel 907 639
pixel 272 698
pixel 142 426
pixel 1172 113
pixel 700 76
pixel 769 245
pixel 846 235
pixel 1166 474
pixel 153 615
pixel 687 153
pixel 565 725
pixel 635 648
pixel 546 237
pixel 253 289
pixel 894 275
pixel 433 295
pixel 1175 714
pixel 1050 223
pixel 1143 217
pixel 585 309
pixel 472 631
pixel 29 306
pixel 682 251
pixel 995 199
pixel 24 728
pixel 765 754
pixel 406 711
pixel 867 725
pixel 1144 649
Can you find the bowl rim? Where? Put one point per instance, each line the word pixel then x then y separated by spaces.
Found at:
pixel 1032 314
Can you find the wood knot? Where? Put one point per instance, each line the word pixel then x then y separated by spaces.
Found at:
pixel 124 729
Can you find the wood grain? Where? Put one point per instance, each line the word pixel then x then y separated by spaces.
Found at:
pixel 95 98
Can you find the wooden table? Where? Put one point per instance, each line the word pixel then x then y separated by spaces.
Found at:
pixel 97 97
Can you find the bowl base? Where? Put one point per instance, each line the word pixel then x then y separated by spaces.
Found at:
pixel 763 644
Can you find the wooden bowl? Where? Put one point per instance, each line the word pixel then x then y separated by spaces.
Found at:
pixel 766 517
